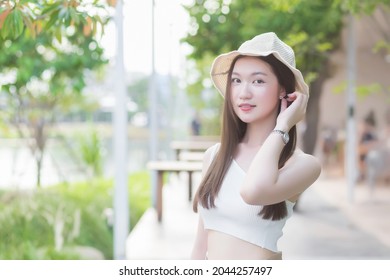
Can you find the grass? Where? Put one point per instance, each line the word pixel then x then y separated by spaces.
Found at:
pixel 49 222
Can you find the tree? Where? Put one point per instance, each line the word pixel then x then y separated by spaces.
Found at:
pixel 44 65
pixel 368 7
pixel 138 92
pixel 31 17
pixel 312 28
pixel 362 6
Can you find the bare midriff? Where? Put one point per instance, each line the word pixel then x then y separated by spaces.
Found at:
pixel 222 246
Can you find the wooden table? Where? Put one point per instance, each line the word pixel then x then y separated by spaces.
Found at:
pixel 172 166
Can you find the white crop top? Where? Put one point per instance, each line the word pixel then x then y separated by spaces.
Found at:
pixel 235 217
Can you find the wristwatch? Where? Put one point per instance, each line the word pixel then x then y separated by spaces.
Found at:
pixel 285 136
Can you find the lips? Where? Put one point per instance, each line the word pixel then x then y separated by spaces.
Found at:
pixel 246 107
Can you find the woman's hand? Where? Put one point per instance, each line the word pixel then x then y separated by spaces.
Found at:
pixel 291 115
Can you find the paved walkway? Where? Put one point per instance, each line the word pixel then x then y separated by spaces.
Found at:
pixel 325 225
pixel 173 237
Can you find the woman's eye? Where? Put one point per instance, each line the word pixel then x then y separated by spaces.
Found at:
pixel 235 80
pixel 258 82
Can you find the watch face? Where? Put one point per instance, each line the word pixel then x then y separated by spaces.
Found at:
pixel 286 138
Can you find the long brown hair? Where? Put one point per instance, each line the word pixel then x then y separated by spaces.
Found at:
pixel 233 131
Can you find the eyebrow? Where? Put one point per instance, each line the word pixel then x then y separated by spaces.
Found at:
pixel 253 74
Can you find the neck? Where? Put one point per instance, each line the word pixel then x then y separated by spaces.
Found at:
pixel 256 133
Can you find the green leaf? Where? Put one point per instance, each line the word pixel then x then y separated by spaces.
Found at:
pixel 58 34
pixel 29 26
pixel 51 8
pixel 14 24
pixel 326 46
pixel 74 16
pixel 367 90
pixel 53 18
pixel 94 27
pixel 6 29
pixel 63 14
pixel 340 88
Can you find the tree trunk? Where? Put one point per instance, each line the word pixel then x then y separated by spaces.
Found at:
pixel 40 145
pixel 38 160
pixel 313 112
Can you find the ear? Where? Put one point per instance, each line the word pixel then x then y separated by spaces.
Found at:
pixel 282 92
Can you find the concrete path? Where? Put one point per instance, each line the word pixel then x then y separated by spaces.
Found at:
pixel 172 238
pixel 326 225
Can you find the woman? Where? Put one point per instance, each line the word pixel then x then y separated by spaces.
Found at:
pixel 368 141
pixel 252 179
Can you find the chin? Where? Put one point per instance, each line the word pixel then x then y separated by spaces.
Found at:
pixel 247 120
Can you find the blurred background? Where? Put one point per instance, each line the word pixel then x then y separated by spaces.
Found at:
pixel 82 80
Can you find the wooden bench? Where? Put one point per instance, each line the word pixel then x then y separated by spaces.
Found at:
pixel 191 156
pixel 172 166
pixel 205 138
pixel 190 146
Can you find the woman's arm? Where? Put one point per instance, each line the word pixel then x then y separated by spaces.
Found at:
pixel 264 183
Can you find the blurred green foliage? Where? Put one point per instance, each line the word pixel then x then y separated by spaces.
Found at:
pixel 91 152
pixel 361 6
pixel 34 16
pixel 29 219
pixel 44 77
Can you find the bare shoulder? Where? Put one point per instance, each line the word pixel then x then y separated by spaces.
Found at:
pixel 209 155
pixel 210 152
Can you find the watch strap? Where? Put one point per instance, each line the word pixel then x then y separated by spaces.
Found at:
pixel 282 133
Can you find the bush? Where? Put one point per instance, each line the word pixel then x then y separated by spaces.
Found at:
pixel 49 222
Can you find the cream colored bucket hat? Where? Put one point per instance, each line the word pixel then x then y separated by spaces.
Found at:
pixel 261 45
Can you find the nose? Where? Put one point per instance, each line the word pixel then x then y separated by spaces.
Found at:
pixel 245 92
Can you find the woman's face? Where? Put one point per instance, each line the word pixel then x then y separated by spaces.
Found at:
pixel 255 90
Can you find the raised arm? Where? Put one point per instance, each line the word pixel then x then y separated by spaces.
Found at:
pixel 264 183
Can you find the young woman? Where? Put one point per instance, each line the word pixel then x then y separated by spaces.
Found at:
pixel 252 179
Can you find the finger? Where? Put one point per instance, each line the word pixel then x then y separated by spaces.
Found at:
pixel 306 101
pixel 302 101
pixel 291 97
pixel 283 105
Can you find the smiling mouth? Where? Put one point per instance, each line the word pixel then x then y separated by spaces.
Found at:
pixel 246 107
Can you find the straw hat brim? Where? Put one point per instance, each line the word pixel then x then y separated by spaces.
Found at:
pixel 221 66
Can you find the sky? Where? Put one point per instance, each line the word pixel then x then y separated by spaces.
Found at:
pixel 171 24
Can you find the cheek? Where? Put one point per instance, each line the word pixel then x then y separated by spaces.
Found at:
pixel 268 98
pixel 233 94
pixel 271 96
pixel 269 104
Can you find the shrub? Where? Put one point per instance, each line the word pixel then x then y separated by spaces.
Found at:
pixel 49 222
